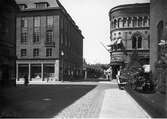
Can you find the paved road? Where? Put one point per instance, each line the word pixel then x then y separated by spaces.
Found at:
pixel 70 100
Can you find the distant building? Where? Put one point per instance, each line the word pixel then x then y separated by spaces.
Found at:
pixel 49 43
pixel 8 10
pixel 129 34
pixel 158 49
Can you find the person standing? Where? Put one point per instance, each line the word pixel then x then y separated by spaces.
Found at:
pixel 26 82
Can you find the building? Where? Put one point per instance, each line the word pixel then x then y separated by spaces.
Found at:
pixel 49 43
pixel 129 34
pixel 8 10
pixel 158 49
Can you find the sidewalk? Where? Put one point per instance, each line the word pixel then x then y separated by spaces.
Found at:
pixel 118 104
pixel 154 103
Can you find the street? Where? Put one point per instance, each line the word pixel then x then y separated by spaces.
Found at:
pixel 84 99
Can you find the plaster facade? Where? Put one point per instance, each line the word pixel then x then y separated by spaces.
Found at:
pixel 158 44
pixel 49 43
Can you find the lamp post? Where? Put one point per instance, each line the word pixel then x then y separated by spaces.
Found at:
pixel 62 54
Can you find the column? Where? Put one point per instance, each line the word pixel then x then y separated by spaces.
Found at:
pixel 17 78
pixel 57 70
pixel 42 72
pixel 142 20
pixel 131 22
pixel 148 21
pixel 29 72
pixel 85 74
pixel 137 21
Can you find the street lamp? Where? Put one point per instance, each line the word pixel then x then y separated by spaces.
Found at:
pixel 62 54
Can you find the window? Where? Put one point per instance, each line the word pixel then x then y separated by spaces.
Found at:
pixel 119 22
pixel 49 21
pixel 36 21
pixel 42 5
pixel 49 52
pixel 134 22
pixel 115 23
pixel 36 35
pixel 136 41
pixel 22 6
pixel 129 21
pixel 123 22
pixel 23 52
pixel 24 22
pixel 144 21
pixel 140 22
pixel 35 52
pixel 49 36
pixel 24 37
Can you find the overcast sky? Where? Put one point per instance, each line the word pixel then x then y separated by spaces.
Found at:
pixel 92 18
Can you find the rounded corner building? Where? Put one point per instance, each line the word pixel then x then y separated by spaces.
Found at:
pixel 129 34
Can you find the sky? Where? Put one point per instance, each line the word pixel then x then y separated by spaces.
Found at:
pixel 92 18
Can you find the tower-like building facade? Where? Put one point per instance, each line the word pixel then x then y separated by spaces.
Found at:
pixel 129 34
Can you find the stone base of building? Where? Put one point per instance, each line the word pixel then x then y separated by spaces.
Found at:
pixel 161 78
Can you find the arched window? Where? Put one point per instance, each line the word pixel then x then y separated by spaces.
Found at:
pixel 129 21
pixel 115 23
pixel 160 30
pixel 119 23
pixel 139 22
pixel 123 22
pixel 136 41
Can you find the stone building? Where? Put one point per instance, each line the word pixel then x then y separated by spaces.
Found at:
pixel 49 43
pixel 129 34
pixel 158 49
pixel 8 10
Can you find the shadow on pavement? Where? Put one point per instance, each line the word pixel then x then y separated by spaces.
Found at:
pixel 39 101
pixel 154 103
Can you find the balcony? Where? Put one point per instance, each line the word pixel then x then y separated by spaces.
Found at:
pixel 50 44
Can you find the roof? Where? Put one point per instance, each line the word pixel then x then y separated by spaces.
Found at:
pixel 31 3
pixel 129 6
pixel 53 4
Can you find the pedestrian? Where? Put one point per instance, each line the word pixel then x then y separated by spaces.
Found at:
pixel 110 73
pixel 26 82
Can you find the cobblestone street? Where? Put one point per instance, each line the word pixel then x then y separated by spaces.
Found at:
pixel 89 105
